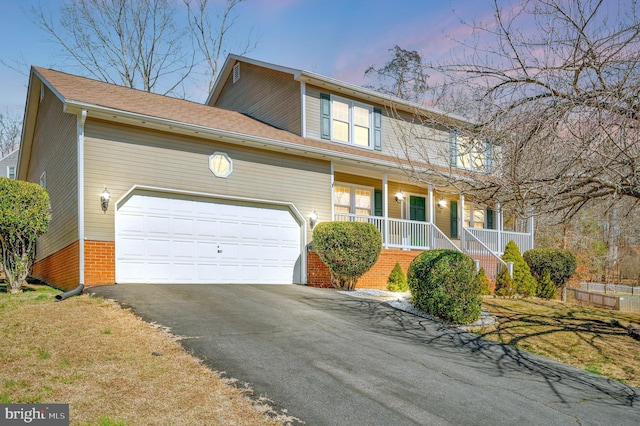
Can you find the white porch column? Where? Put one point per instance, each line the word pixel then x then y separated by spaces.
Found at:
pixel 385 210
pixel 431 206
pixel 461 220
pixel 531 226
pixel 432 217
pixel 498 212
pixel 333 215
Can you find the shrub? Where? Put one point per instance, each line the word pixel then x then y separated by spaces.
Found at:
pixel 546 288
pixel 349 249
pixel 24 215
pixel 483 282
pixel 397 281
pixel 560 264
pixel 505 286
pixel 524 281
pixel 444 283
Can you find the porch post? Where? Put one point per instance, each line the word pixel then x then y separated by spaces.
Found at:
pixel 531 226
pixel 498 211
pixel 461 220
pixel 385 210
pixel 432 218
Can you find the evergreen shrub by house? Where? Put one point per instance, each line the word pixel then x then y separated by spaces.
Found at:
pixel 444 284
pixel 560 264
pixel 546 288
pixel 505 286
pixel 24 215
pixel 349 249
pixel 525 282
pixel 397 280
pixel 484 282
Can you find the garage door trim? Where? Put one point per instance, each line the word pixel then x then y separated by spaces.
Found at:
pixel 229 198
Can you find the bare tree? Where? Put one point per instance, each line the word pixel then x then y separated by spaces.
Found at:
pixel 560 103
pixel 211 38
pixel 403 76
pixel 10 129
pixel 139 43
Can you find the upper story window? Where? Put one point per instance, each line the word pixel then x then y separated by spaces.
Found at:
pixel 470 153
pixel 347 121
pixel 11 172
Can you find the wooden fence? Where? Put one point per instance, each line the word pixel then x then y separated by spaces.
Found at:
pixel 628 303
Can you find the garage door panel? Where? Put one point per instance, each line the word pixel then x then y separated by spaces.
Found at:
pixel 166 240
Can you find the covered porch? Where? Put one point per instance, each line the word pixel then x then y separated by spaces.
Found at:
pixel 411 217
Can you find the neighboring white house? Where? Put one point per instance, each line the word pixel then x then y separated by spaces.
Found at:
pixel 8 164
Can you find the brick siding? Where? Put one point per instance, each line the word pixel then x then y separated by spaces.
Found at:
pixel 62 268
pixel 318 274
pixel 99 263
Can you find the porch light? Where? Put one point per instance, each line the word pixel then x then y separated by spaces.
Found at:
pixel 313 219
pixel 104 199
pixel 399 197
pixel 442 203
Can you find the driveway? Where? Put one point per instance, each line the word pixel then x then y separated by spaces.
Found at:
pixel 332 359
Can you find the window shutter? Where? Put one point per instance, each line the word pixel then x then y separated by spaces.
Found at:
pixel 377 129
pixel 377 202
pixel 453 219
pixel 489 215
pixel 453 148
pixel 488 156
pixel 325 116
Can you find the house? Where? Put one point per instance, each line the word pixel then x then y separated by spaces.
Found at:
pixel 146 188
pixel 8 165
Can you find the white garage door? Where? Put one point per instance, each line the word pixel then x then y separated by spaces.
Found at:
pixel 179 240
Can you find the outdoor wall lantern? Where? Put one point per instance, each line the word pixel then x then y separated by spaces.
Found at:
pixel 313 219
pixel 442 203
pixel 104 199
pixel 399 197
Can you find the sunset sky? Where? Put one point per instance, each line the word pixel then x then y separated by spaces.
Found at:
pixel 335 38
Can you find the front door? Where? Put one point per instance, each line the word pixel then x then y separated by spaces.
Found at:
pixel 417 212
pixel 417 208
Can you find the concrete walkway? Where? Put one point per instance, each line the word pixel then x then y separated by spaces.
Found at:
pixel 329 359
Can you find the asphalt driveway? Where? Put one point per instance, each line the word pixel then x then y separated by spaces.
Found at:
pixel 331 359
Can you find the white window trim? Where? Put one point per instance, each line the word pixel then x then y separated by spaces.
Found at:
pixel 43 180
pixel 473 156
pixel 352 196
pixel 351 103
pixel 11 170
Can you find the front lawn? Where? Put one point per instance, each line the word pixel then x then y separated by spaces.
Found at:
pixel 589 338
pixel 110 366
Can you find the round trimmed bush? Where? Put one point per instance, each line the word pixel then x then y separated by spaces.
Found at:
pixel 560 263
pixel 444 284
pixel 349 249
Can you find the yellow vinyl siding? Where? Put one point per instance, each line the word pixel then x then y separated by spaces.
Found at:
pixel 268 95
pixel 395 208
pixel 397 130
pixel 54 152
pixel 118 157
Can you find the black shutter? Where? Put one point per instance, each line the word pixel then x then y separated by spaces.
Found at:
pixel 377 129
pixel 377 202
pixel 325 116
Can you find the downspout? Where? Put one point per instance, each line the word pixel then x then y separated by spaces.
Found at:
pixel 82 117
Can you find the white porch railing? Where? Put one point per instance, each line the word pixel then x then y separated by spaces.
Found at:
pixel 478 250
pixel 404 234
pixel 496 241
